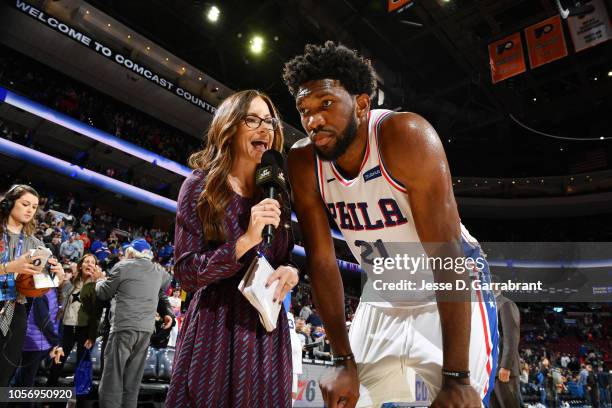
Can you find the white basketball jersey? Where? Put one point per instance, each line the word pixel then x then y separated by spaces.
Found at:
pixel 296 345
pixel 372 206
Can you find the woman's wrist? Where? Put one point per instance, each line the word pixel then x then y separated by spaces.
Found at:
pixel 244 244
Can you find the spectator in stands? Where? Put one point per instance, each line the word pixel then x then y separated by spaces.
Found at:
pixel 70 249
pixel 219 221
pixel 322 348
pixel 42 335
pixel 603 380
pixel 558 384
pixel 17 225
pixel 176 301
pixel 161 332
pixel 134 285
pixel 542 382
pixel 55 245
pixel 86 218
pixel 80 314
pixel 524 377
pixel 305 312
pixel 100 250
pixel 583 376
pixel 314 319
pixel 65 94
pixel 300 326
pixel 592 387
pixel 565 360
pixel 317 333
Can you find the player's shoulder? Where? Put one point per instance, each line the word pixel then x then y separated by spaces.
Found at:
pixel 302 152
pixel 409 144
pixel 301 164
pixel 405 128
pixel 408 134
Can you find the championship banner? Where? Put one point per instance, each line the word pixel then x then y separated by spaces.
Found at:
pixel 545 41
pixel 395 5
pixel 592 28
pixel 506 58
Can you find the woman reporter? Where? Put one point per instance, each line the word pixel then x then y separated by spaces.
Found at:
pixel 17 226
pixel 224 356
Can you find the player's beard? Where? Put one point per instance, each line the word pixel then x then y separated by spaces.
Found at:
pixel 343 141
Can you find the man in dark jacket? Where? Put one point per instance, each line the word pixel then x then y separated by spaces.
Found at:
pixel 592 387
pixel 506 390
pixel 55 244
pixel 603 379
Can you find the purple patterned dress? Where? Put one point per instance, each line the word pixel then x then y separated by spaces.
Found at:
pixel 224 356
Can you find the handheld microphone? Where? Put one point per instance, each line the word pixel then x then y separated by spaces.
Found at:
pixel 270 177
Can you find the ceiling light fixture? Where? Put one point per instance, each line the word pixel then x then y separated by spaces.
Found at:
pixel 213 14
pixel 257 43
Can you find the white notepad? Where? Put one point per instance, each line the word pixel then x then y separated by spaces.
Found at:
pixel 253 287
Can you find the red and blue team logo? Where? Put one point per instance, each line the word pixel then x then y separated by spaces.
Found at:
pixel 307 390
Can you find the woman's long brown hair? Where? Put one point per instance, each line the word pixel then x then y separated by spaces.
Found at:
pixel 216 159
pixel 14 194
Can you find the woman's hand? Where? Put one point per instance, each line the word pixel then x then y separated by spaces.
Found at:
pixel 287 277
pixel 98 274
pixel 56 354
pixel 264 213
pixel 167 322
pixel 24 265
pixel 57 269
pixel 88 344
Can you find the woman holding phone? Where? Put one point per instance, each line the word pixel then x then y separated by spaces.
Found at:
pixel 17 227
pixel 80 314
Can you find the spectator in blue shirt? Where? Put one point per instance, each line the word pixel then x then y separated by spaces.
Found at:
pixel 87 218
pixel 70 249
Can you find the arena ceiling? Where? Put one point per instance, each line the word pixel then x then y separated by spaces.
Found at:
pixel 432 58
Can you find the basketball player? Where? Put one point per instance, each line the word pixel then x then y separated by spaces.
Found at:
pixel 383 175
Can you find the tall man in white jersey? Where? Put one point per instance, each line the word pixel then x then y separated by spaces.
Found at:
pixel 384 175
